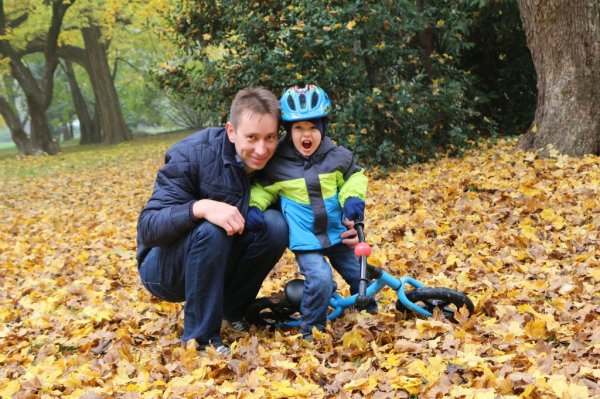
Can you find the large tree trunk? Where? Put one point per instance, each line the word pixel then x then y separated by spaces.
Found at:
pixel 564 40
pixel 41 135
pixel 17 132
pixel 90 131
pixel 112 123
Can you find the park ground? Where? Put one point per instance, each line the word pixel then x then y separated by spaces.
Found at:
pixel 518 234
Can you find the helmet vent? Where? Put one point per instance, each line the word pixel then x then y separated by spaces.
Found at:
pixel 314 100
pixel 302 99
pixel 291 104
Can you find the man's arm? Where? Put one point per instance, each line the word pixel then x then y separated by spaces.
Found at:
pixel 168 215
pixel 174 209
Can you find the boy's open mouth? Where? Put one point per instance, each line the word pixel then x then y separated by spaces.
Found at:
pixel 306 144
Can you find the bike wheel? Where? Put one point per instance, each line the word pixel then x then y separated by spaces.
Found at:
pixel 265 312
pixel 447 300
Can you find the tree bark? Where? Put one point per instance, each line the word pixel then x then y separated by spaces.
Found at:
pixel 41 135
pixel 564 40
pixel 90 131
pixel 112 124
pixel 17 132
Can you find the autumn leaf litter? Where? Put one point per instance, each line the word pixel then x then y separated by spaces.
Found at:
pixel 518 234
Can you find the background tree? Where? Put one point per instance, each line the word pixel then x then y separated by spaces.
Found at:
pixel 89 125
pixel 112 124
pixel 86 45
pixel 564 39
pixel 95 37
pixel 38 92
pixel 117 44
pixel 9 113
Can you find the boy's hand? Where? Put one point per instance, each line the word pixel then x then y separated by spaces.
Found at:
pixel 354 209
pixel 255 219
pixel 350 236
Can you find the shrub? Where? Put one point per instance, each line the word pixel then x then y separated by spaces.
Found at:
pixel 392 68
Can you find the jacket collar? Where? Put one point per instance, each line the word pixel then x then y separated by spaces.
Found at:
pixel 230 157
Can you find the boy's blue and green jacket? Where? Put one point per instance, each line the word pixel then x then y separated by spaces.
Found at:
pixel 312 191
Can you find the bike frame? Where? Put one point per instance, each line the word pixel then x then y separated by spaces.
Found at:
pixel 284 311
pixel 367 291
pixel 340 304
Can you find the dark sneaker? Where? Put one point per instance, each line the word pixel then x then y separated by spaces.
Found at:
pixel 237 325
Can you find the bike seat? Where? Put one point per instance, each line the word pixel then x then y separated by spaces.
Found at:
pixel 294 290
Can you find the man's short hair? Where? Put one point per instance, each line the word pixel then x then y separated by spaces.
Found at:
pixel 254 100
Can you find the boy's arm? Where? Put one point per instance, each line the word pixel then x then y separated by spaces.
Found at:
pixel 262 197
pixel 351 178
pixel 354 186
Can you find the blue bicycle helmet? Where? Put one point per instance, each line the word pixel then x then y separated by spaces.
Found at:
pixel 303 103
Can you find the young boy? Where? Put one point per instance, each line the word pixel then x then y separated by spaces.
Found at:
pixel 319 185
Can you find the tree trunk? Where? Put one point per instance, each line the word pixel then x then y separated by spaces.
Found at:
pixel 17 132
pixel 424 39
pixel 90 131
pixel 564 40
pixel 112 124
pixel 372 71
pixel 41 136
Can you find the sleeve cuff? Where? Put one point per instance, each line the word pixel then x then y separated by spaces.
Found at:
pixel 193 218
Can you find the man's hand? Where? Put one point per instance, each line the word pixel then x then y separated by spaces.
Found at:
pixel 350 236
pixel 220 214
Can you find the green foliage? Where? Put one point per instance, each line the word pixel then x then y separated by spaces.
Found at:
pixel 392 68
pixel 502 64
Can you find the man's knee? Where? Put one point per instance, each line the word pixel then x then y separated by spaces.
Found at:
pixel 276 227
pixel 206 232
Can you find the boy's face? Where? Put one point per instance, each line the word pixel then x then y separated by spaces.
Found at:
pixel 306 137
pixel 254 138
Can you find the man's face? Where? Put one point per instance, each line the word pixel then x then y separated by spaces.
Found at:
pixel 254 138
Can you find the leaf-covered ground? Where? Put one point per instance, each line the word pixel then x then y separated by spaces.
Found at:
pixel 519 234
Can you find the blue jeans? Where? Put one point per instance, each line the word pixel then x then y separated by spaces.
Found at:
pixel 318 282
pixel 215 274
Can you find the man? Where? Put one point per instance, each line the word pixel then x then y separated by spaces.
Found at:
pixel 194 244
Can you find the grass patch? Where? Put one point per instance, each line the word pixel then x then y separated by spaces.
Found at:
pixel 74 157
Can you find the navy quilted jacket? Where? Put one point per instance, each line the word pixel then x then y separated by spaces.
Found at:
pixel 201 166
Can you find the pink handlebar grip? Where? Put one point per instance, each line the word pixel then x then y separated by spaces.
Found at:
pixel 361 249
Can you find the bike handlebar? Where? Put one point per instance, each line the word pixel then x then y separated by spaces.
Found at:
pixel 361 299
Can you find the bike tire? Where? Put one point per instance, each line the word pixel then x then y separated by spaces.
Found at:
pixel 265 312
pixel 447 300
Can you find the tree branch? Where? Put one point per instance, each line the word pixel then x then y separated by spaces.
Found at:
pixel 50 52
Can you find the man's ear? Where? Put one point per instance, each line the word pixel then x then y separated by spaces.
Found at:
pixel 230 131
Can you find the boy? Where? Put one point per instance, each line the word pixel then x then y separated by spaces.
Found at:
pixel 316 182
